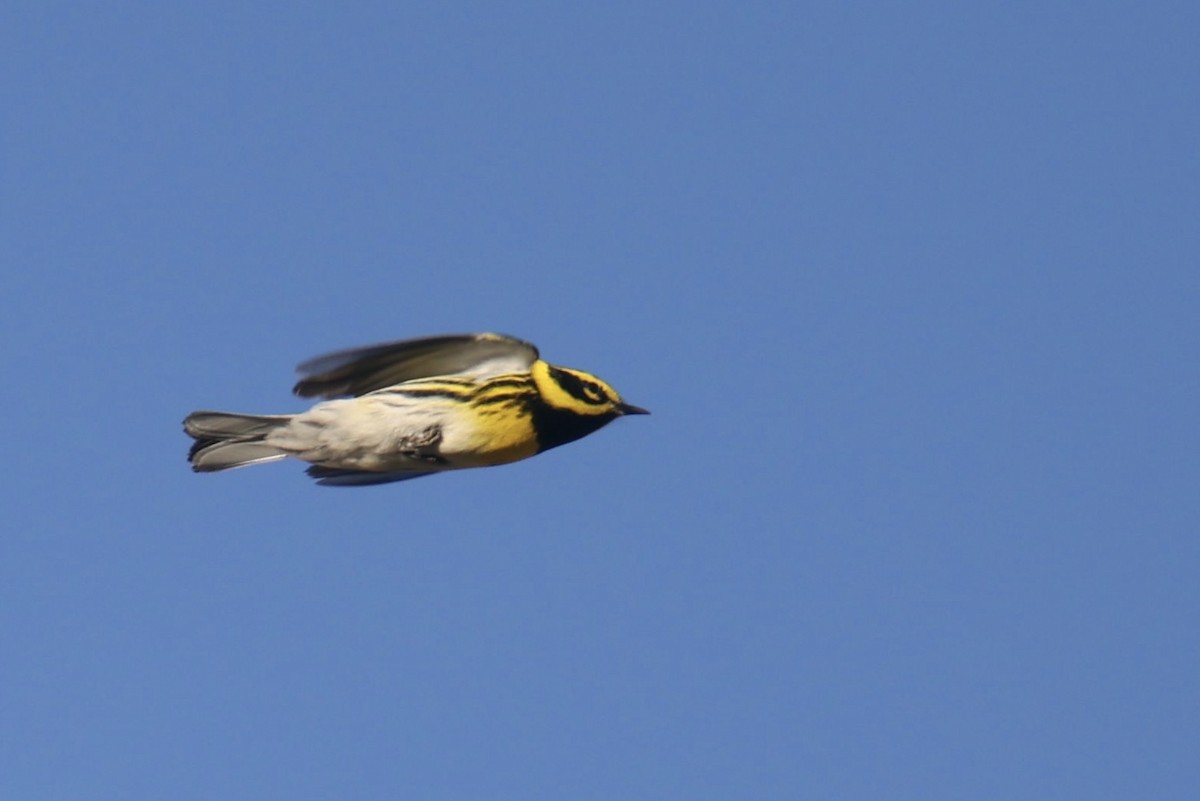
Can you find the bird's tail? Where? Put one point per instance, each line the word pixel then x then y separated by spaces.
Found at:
pixel 225 439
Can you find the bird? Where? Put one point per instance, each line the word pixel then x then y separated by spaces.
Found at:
pixel 415 407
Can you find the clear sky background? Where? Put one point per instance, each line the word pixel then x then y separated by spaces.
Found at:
pixel 911 290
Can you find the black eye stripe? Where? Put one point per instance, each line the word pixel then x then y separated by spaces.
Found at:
pixel 586 391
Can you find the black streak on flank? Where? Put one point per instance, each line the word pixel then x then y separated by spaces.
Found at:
pixel 430 393
pixel 517 398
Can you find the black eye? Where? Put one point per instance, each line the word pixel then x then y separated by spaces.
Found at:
pixel 579 387
pixel 593 393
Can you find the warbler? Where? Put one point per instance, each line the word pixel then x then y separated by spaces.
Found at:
pixel 413 408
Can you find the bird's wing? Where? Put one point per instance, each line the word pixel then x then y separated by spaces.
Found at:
pixel 336 477
pixel 362 370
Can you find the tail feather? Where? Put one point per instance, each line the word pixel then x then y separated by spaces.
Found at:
pixel 225 439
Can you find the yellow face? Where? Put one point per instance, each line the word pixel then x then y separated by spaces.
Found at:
pixel 578 392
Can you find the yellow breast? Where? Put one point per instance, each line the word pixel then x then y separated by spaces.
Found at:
pixel 498 435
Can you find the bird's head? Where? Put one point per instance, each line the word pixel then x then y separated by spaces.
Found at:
pixel 579 393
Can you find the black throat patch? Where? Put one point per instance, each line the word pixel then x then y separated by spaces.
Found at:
pixel 556 427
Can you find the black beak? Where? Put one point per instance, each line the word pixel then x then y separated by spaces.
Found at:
pixel 629 408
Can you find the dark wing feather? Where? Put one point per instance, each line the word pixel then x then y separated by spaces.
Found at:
pixel 361 370
pixel 335 477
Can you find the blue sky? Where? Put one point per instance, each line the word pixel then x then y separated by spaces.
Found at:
pixel 911 290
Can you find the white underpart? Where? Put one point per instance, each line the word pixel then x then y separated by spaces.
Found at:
pixel 365 433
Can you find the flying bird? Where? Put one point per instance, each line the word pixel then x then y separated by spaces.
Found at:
pixel 412 408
